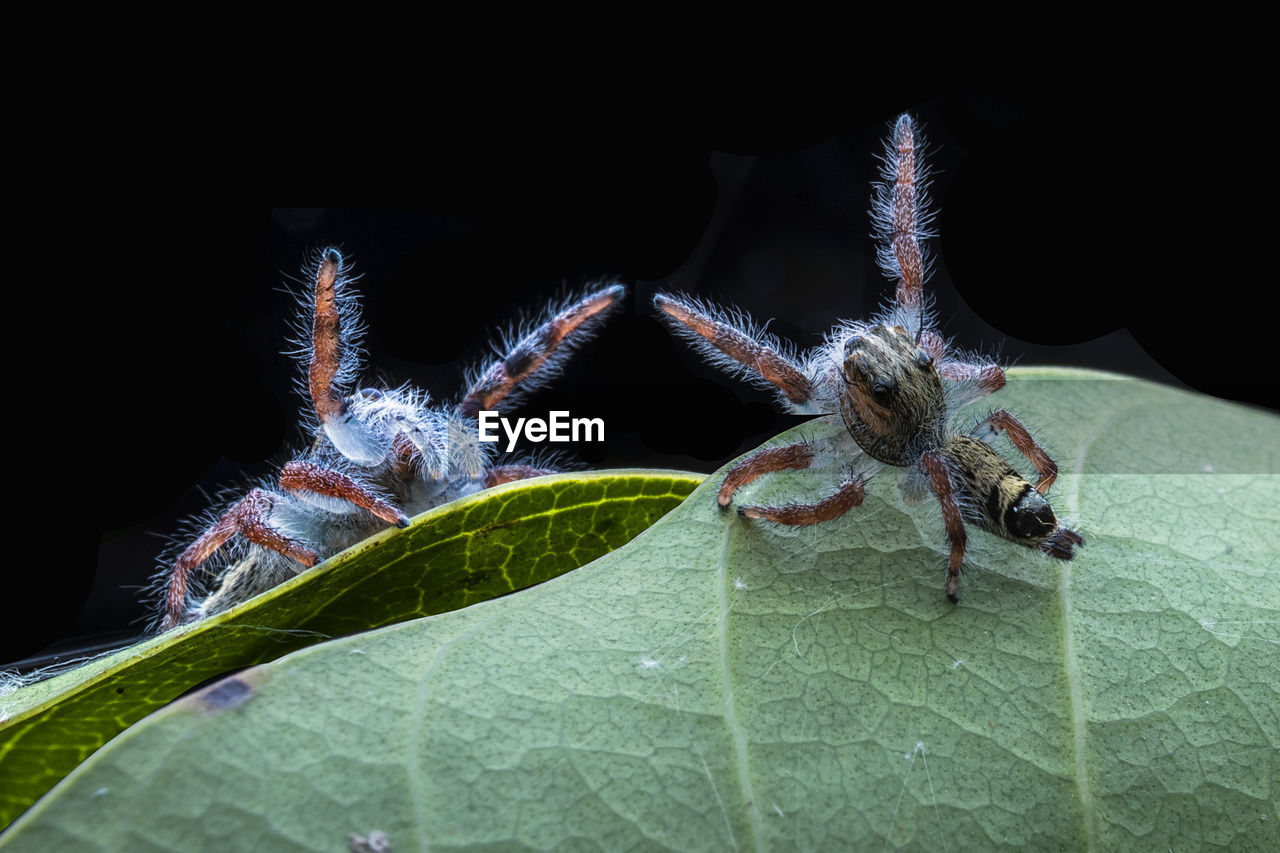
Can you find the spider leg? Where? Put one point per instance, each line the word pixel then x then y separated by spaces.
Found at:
pixel 307 480
pixel 793 456
pixel 1002 420
pixel 510 473
pixel 537 354
pixel 798 515
pixel 756 352
pixel 932 343
pixel 934 464
pixel 334 362
pixel 250 518
pixel 986 377
pixel 326 338
pixel 901 214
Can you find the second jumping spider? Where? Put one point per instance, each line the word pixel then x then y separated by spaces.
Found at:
pixel 379 454
pixel 896 384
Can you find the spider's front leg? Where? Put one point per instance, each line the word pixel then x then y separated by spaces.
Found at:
pixel 750 352
pixel 792 457
pixel 250 518
pixel 1001 420
pixel 334 362
pixel 935 465
pixel 902 216
pixel 849 495
pixel 336 492
pixel 370 427
pixel 538 355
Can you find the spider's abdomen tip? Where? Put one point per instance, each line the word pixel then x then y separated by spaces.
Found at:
pixel 402 522
pixel 953 598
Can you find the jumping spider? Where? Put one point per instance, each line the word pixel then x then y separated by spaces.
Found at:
pixel 379 454
pixel 896 384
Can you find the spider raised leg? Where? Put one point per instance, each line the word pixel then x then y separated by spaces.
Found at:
pixel 896 384
pixel 378 456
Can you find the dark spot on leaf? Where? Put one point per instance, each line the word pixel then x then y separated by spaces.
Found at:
pixel 228 693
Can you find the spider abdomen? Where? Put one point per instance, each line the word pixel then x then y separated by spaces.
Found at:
pixel 995 497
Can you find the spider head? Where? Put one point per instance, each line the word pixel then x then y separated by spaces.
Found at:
pixel 892 391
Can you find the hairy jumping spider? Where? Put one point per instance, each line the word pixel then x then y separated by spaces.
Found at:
pixel 896 384
pixel 379 454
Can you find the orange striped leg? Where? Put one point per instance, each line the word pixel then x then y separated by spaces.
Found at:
pixel 905 216
pixel 533 351
pixel 310 477
pixel 990 377
pixel 326 338
pixel 1002 420
pixel 741 347
pixel 800 515
pixel 249 518
pixel 793 456
pixel 935 465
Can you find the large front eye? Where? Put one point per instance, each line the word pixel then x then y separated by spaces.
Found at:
pixel 882 391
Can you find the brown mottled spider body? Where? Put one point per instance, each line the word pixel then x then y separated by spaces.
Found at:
pixel 379 455
pixel 896 385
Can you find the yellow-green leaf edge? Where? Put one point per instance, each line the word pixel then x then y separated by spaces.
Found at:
pixel 479 547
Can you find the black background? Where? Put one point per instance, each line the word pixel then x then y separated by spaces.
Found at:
pixel 1076 227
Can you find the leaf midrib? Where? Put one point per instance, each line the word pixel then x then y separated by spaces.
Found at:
pixel 1070 662
pixel 726 684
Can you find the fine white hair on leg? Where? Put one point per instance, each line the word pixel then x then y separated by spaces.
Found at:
pixel 467 455
pixel 730 340
pixel 344 330
pixel 533 352
pixel 901 209
pixel 403 411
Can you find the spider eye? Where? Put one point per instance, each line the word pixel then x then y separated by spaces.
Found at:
pixel 881 391
pixel 370 393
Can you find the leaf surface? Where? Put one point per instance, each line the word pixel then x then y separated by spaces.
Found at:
pixel 479 547
pixel 720 684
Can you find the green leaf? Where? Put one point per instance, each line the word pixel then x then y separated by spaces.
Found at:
pixel 725 684
pixel 476 548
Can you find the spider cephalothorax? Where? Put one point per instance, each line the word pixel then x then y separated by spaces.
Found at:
pixel 893 399
pixel 896 384
pixel 378 455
